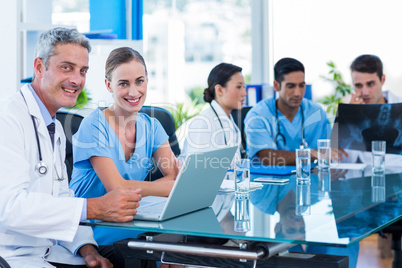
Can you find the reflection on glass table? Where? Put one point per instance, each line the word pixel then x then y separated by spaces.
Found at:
pixel 341 211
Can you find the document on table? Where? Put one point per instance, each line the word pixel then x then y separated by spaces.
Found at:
pixel 228 186
pixel 356 166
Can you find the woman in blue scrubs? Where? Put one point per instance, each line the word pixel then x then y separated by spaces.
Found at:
pixel 114 147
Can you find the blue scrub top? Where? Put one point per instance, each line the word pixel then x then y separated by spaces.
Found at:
pixel 261 127
pixel 95 137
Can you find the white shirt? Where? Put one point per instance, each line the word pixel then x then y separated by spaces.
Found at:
pixel 204 132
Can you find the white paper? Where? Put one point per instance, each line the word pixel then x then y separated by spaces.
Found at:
pixel 358 166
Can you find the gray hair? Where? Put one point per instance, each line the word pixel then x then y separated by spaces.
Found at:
pixel 48 40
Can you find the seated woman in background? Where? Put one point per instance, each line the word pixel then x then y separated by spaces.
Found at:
pixel 114 147
pixel 214 127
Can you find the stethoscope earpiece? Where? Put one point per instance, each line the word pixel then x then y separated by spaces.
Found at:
pixel 41 168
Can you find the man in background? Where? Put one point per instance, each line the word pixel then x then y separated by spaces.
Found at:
pixel 368 79
pixel 275 128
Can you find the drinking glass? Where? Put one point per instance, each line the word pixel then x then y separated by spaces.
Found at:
pixel 324 154
pixel 242 177
pixel 303 164
pixel 378 156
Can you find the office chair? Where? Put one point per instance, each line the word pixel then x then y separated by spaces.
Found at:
pixel 395 230
pixel 238 117
pixel 70 123
pixel 3 263
pixel 166 119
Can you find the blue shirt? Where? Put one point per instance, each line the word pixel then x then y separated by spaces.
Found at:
pixel 95 137
pixel 261 127
pixel 43 110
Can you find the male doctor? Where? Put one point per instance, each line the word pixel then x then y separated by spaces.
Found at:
pixel 368 79
pixel 39 215
pixel 275 128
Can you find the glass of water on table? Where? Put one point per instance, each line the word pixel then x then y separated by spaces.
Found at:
pixel 324 154
pixel 242 177
pixel 378 156
pixel 303 164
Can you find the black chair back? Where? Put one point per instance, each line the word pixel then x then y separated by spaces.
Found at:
pixel 166 119
pixel 70 123
pixel 3 263
pixel 238 117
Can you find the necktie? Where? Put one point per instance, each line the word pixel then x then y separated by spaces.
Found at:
pixel 51 128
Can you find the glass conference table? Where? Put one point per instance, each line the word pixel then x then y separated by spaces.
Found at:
pixel 337 208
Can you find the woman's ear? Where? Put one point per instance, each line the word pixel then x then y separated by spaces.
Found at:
pixel 107 83
pixel 218 90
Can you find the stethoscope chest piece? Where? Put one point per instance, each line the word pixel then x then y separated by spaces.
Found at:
pixel 41 168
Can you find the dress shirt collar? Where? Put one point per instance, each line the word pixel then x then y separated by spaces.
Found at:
pixel 43 110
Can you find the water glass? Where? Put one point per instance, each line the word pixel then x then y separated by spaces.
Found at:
pixel 242 214
pixel 324 154
pixel 303 164
pixel 378 156
pixel 242 177
pixel 303 198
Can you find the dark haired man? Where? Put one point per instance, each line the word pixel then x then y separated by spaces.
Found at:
pixel 275 128
pixel 368 79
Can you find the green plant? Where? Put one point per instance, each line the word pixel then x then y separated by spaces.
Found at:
pixel 82 100
pixel 197 93
pixel 183 111
pixel 341 89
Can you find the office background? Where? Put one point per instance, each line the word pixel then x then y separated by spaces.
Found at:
pixel 182 40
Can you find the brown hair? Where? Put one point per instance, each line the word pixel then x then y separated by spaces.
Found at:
pixel 119 56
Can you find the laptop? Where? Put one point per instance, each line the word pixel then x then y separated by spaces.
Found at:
pixel 195 187
pixel 202 221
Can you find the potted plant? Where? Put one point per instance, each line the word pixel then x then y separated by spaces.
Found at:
pixel 341 90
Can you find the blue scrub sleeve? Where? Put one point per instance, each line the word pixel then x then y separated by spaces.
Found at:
pixel 92 139
pixel 259 134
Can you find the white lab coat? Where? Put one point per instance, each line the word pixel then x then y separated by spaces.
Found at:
pixel 204 132
pixel 36 211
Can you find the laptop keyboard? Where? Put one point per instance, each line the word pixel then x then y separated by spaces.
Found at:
pixel 153 208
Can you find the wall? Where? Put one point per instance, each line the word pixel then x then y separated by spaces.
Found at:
pixel 9 48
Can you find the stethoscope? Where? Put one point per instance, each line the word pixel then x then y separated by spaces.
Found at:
pixel 303 144
pixel 220 122
pixel 41 168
